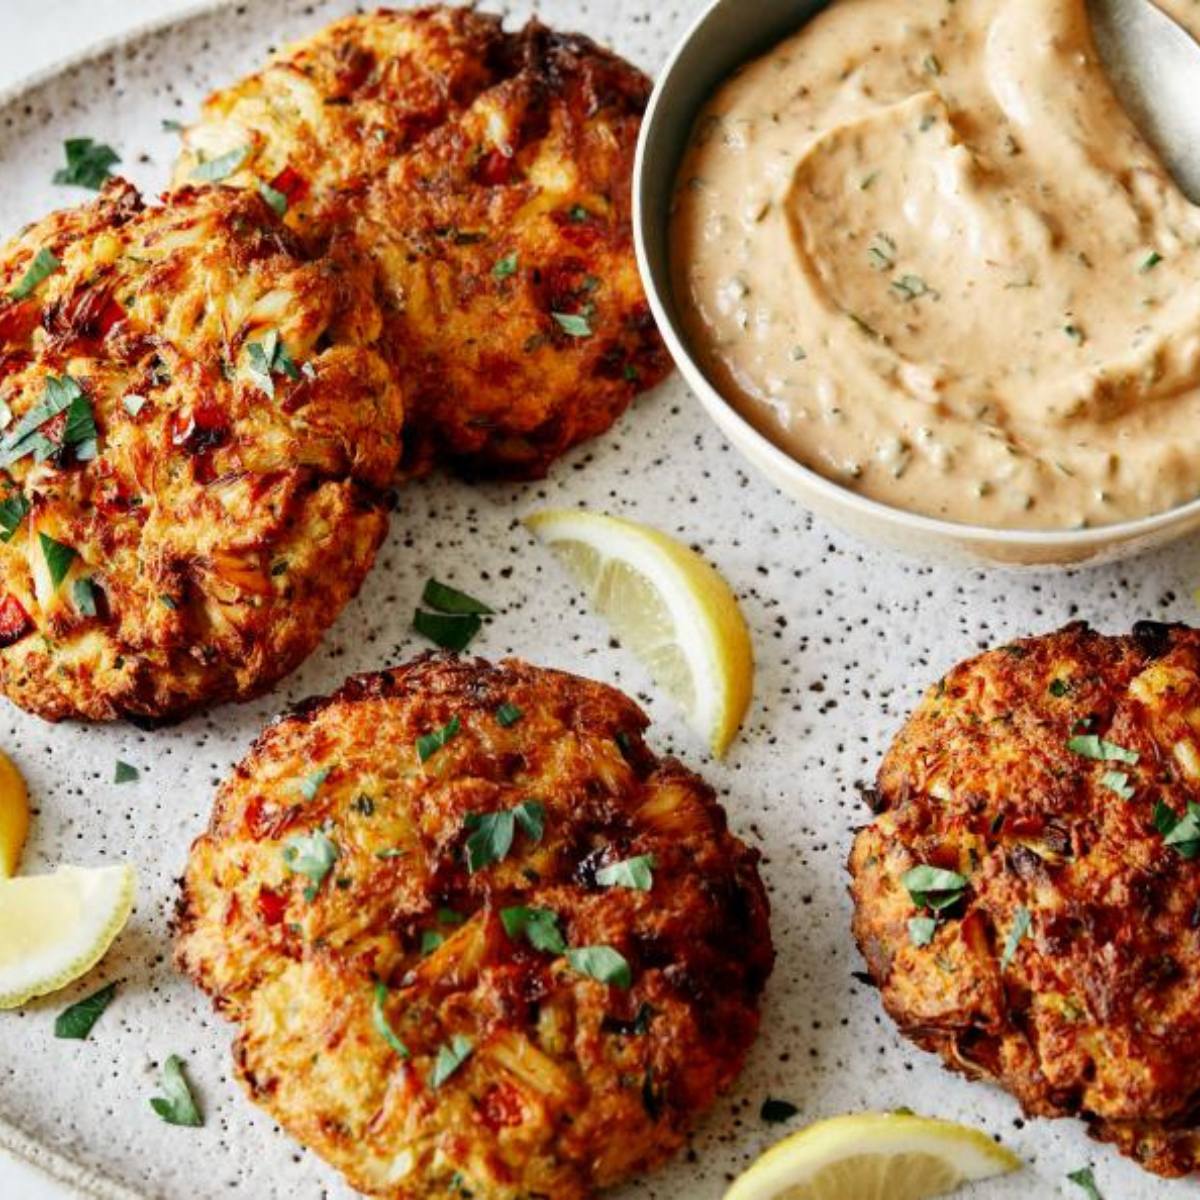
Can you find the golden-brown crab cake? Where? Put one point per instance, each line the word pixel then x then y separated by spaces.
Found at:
pixel 330 112
pixel 197 440
pixel 1027 898
pixel 477 938
pixel 490 175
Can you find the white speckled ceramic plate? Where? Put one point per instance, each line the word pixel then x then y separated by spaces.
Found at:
pixel 846 638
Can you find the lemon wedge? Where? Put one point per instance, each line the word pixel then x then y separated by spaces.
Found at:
pixel 668 606
pixel 14 816
pixel 873 1156
pixel 55 928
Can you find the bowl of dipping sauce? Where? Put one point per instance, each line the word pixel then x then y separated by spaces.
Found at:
pixel 925 273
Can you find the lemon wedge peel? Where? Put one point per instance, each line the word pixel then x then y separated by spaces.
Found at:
pixel 707 625
pixel 55 928
pixel 819 1163
pixel 14 816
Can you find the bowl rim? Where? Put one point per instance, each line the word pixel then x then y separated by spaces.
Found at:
pixel 724 412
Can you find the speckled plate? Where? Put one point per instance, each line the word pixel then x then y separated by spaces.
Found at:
pixel 846 638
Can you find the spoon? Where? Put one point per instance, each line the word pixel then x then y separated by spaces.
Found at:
pixel 1154 66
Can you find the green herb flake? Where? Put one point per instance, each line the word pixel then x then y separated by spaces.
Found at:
pixel 177 1106
pixel 538 925
pixel 310 785
pixel 59 558
pixel 431 940
pixel 428 744
pixel 1090 746
pixel 311 855
pixel 1182 834
pixel 76 1022
pixel 602 963
pixel 1150 262
pixel 531 816
pixel 13 510
pixel 1075 334
pixel 88 163
pixel 921 930
pixel 213 170
pixel 381 1023
pixel 269 357
pixel 133 404
pixel 454 633
pixel 1086 1182
pixel 1022 919
pixel 933 887
pixel 125 772
pixel 450 600
pixel 26 437
pixel 276 199
pixel 508 714
pixel 574 324
pixel 450 1057
pixel 1059 688
pixel 505 267
pixel 776 1112
pixel 633 873
pixel 363 805
pixel 1118 782
pixel 44 265
pixel 84 591
pixel 491 838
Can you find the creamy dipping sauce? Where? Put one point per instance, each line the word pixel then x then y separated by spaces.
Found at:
pixel 922 248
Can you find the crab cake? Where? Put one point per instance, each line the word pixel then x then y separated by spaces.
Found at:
pixel 198 436
pixel 497 205
pixel 476 937
pixel 1027 898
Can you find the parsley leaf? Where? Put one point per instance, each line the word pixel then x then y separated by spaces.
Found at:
pixel 177 1107
pixel 450 1057
pixel 431 939
pixel 269 357
pixel 1022 919
pixel 428 744
pixel 491 838
pixel 449 632
pixel 775 1112
pixel 1059 687
pixel 921 930
pixel 602 963
pixel 88 163
pixel 76 1022
pixel 381 1023
pixel 13 510
pixel 1118 781
pixel 508 714
pixel 276 199
pixel 1090 746
pixel 84 591
pixel 574 324
pixel 124 772
pixel 310 785
pixel 633 873
pixel 213 170
pixel 531 816
pixel 1086 1182
pixel 44 264
pixel 312 856
pixel 24 437
pixel 59 558
pixel 538 925
pixel 450 600
pixel 1180 833
pixel 505 267
pixel 933 887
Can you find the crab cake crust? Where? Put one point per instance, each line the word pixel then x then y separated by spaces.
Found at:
pixel 498 208
pixel 1094 1010
pixel 571 1083
pixel 175 535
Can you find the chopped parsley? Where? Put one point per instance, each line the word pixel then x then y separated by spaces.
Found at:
pixel 1181 833
pixel 574 324
pixel 449 632
pixel 1059 688
pixel 921 930
pixel 1118 782
pixel 133 404
pixel 125 772
pixel 491 834
pixel 450 1057
pixel 170 125
pixel 1086 1182
pixel 276 199
pixel 633 873
pixel 380 1021
pixel 505 267
pixel 84 591
pixel 59 395
pixel 213 170
pixel 538 925
pixel 13 510
pixel 177 1107
pixel 311 855
pixel 59 558
pixel 269 357
pixel 428 744
pixel 775 1112
pixel 1075 334
pixel 1151 261
pixel 77 1021
pixel 933 887
pixel 602 963
pixel 88 163
pixel 310 785
pixel 431 939
pixel 508 714
pixel 450 600
pixel 44 264
pixel 1090 746
pixel 1022 919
